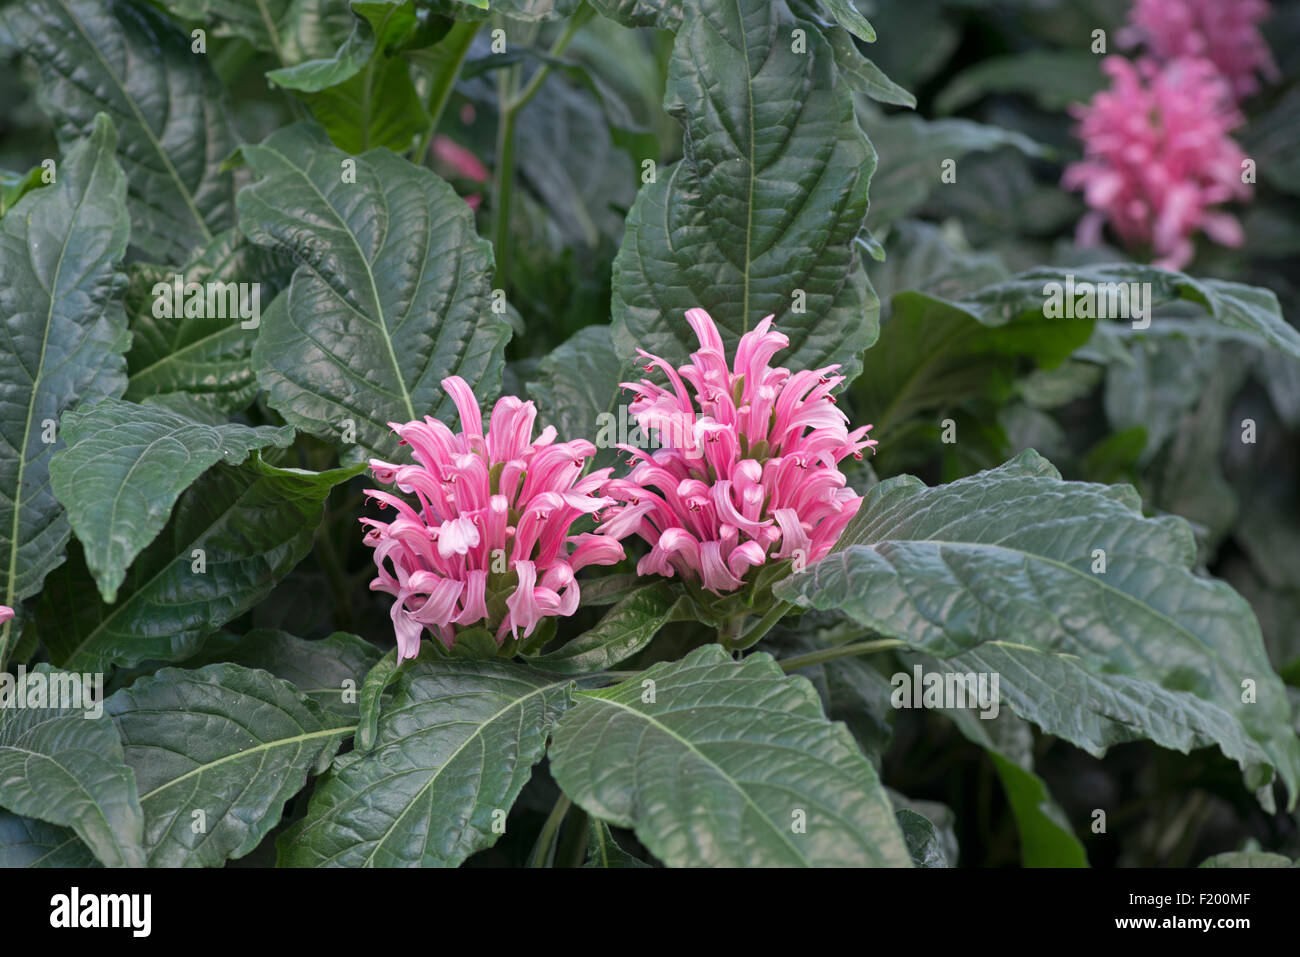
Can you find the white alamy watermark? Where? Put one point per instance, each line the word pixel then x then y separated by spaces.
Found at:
pixel 75 909
pixel 1098 300
pixel 946 689
pixel 68 690
pixel 179 299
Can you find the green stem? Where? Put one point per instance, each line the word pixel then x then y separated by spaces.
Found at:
pixel 458 40
pixel 510 100
pixel 840 651
pixel 763 625
pixel 544 850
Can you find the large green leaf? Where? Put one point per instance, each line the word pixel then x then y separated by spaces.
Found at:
pixel 205 357
pixel 294 30
pixel 125 465
pixel 133 64
pixel 27 842
pixel 995 574
pixel 454 747
pixel 664 14
pixel 249 526
pixel 64 334
pixel 720 762
pixel 626 628
pixel 330 671
pixel 64 766
pixel 392 297
pixel 217 752
pixel 767 202
pixel 603 850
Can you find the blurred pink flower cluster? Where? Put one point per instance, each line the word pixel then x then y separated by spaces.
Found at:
pixel 1158 158
pixel 1158 154
pixel 1225 32
pixel 487 543
pixel 747 470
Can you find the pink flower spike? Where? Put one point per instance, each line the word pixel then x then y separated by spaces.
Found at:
pixel 1158 158
pixel 489 504
pixel 745 469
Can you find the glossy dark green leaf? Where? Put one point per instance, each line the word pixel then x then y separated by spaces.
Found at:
pixel 232 536
pixel 1001 574
pixel 393 296
pixel 454 747
pixel 922 837
pixel 664 14
pixel 59 349
pixel 64 766
pixel 206 357
pixel 127 61
pixel 626 628
pixel 767 201
pixel 714 761
pixel 330 670
pixel 125 465
pixel 14 186
pixel 576 386
pixel 217 752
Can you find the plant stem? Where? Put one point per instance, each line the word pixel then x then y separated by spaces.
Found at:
pixel 544 850
pixel 510 100
pixel 840 651
pixel 459 39
pixel 763 625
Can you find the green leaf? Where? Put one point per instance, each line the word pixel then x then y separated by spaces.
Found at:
pixel 847 16
pixel 603 850
pixel 455 746
pixel 768 199
pixel 626 628
pixel 1248 859
pixel 995 574
pixel 61 349
pixel 329 671
pixel 14 186
pixel 911 151
pixel 370 702
pixel 362 95
pixel 294 30
pixel 1053 78
pixel 226 743
pixel 125 465
pixel 206 357
pixel 127 61
pixel 232 536
pixel 27 842
pixel 395 298
pixel 663 14
pixel 922 837
pixel 718 762
pixel 64 766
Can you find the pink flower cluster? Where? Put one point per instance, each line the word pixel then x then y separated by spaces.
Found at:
pixel 5 613
pixel 492 516
pixel 1225 32
pixel 1158 158
pixel 746 471
pixel 450 155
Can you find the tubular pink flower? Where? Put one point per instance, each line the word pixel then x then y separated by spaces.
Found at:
pixel 746 469
pixel 5 613
pixel 486 543
pixel 1158 157
pixel 1225 32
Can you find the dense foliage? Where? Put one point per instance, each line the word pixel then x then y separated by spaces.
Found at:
pixel 640 589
